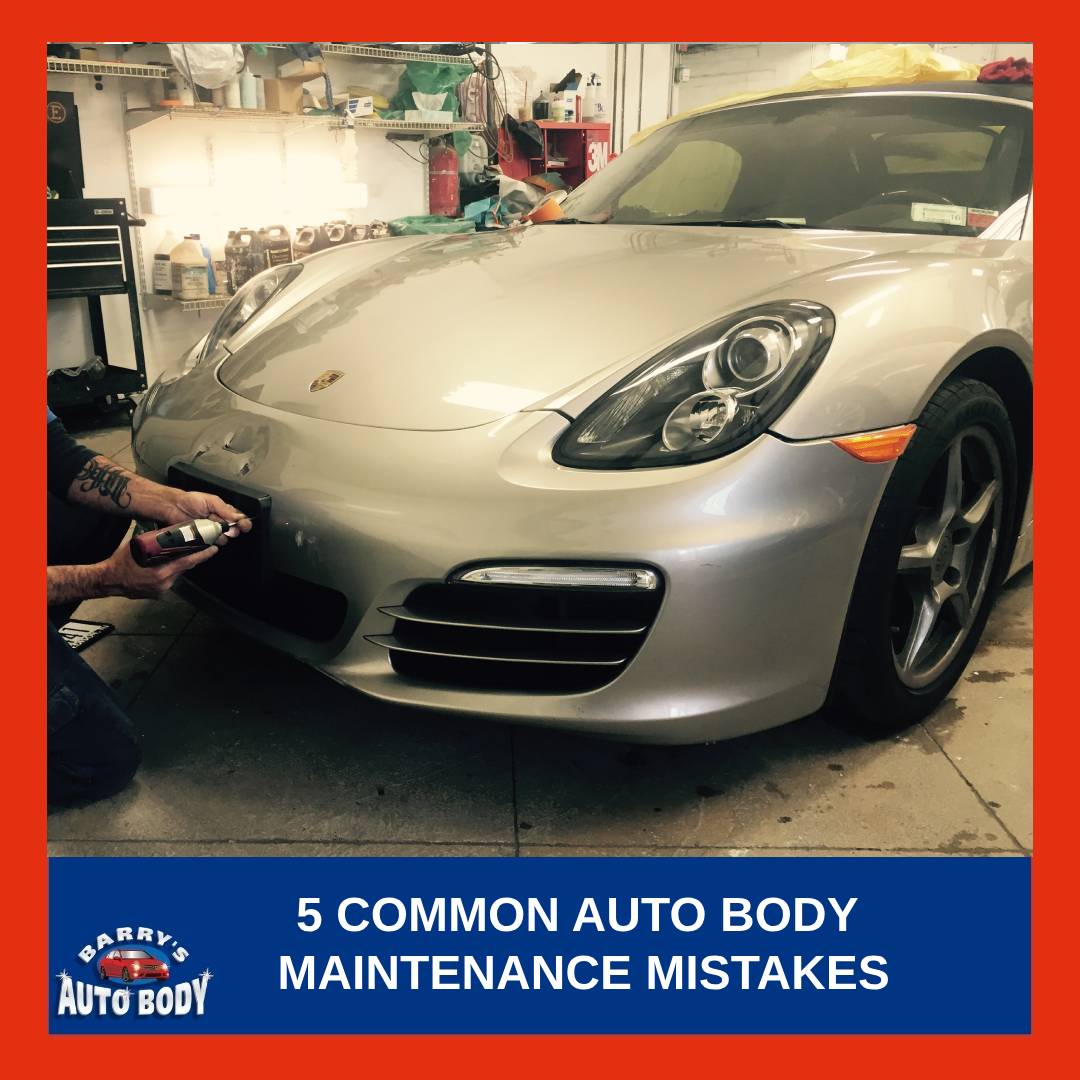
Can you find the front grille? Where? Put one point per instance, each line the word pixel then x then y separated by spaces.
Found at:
pixel 536 639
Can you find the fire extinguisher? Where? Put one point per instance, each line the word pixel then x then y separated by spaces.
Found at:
pixel 444 196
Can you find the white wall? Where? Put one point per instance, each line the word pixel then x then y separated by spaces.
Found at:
pixel 739 67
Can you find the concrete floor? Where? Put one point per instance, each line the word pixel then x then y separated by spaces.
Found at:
pixel 249 753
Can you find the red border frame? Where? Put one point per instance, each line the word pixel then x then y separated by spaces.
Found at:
pixel 24 901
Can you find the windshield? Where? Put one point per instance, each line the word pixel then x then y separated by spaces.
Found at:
pixel 905 163
pixel 134 954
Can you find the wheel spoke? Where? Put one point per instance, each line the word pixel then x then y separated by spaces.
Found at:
pixel 915 557
pixel 922 626
pixel 961 606
pixel 977 512
pixel 954 483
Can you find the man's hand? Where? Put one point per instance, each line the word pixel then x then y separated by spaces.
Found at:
pixel 121 575
pixel 177 505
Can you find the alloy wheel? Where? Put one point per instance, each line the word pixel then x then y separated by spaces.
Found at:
pixel 947 558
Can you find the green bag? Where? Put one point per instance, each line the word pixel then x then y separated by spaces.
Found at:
pixel 430 79
pixel 420 224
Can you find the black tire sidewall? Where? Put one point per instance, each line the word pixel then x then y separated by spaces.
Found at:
pixel 866 683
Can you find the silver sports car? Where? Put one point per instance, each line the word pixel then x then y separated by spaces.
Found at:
pixel 747 430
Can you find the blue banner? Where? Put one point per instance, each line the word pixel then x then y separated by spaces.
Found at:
pixel 560 946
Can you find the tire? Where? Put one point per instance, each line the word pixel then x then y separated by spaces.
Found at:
pixel 884 679
pixel 102 974
pixel 125 975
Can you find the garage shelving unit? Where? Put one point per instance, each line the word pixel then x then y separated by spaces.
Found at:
pixel 99 68
pixel 380 53
pixel 209 303
pixel 136 117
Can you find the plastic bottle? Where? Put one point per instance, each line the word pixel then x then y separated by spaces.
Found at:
pixel 541 107
pixel 239 258
pixel 232 94
pixel 187 94
pixel 592 104
pixel 219 265
pixel 309 239
pixel 162 276
pixel 260 92
pixel 211 278
pixel 249 96
pixel 218 97
pixel 273 247
pixel 190 273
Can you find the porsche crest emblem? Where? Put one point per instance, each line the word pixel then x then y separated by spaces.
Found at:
pixel 327 378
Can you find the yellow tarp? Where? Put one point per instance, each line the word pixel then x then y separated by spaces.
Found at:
pixel 865 65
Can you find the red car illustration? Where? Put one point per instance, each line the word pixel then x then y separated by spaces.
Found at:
pixel 132 965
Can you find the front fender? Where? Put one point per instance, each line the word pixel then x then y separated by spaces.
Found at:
pixel 902 327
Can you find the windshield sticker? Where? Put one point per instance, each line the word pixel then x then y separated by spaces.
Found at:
pixel 939 213
pixel 981 219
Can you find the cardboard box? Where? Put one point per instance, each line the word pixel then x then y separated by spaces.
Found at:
pixel 360 106
pixel 284 95
pixel 301 69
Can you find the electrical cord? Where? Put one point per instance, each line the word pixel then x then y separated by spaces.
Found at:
pixel 423 159
pixel 499 101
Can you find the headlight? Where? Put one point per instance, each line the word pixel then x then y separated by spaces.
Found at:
pixel 707 395
pixel 249 299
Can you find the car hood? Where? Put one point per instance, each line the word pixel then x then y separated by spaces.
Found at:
pixel 458 331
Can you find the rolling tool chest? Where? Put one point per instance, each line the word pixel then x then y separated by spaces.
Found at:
pixel 89 255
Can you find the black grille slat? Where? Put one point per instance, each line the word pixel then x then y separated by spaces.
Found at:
pixel 409 614
pixel 500 648
pixel 543 639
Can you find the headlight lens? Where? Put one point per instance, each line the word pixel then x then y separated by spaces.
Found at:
pixel 249 299
pixel 707 395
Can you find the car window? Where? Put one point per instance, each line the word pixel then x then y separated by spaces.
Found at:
pixel 134 954
pixel 698 175
pixel 874 162
pixel 948 150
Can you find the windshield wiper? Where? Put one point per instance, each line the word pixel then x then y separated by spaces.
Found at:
pixel 746 223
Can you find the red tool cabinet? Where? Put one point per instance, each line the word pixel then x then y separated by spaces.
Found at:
pixel 575 151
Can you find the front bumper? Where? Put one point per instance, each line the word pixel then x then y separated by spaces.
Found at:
pixel 758 551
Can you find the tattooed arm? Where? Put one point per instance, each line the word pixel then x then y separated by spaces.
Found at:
pixel 90 479
pixel 103 485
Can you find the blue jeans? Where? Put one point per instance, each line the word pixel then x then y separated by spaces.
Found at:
pixel 93 751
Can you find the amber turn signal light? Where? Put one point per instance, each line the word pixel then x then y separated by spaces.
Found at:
pixel 885 445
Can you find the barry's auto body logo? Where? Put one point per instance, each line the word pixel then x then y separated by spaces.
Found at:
pixel 134 970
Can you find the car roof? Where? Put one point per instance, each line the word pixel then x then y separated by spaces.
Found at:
pixel 1016 91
